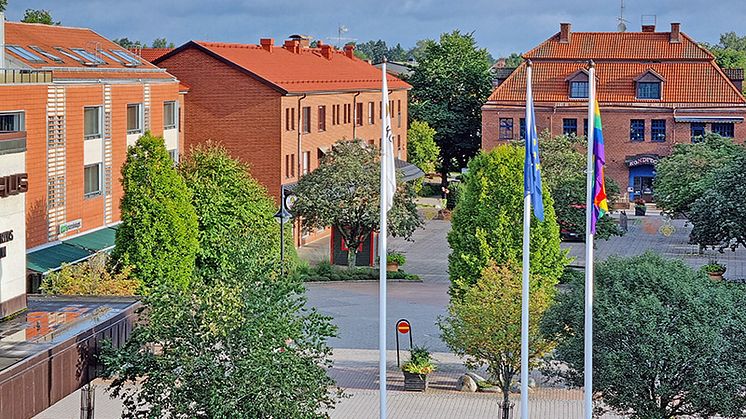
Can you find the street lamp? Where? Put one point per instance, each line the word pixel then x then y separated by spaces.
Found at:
pixel 282 216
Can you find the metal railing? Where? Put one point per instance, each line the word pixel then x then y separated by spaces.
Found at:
pixel 16 76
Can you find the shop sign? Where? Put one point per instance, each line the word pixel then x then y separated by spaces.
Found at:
pixel 5 236
pixel 642 160
pixel 70 226
pixel 13 184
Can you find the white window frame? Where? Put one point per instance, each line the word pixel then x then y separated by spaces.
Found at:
pixel 175 115
pixel 139 129
pixel 97 192
pixel 100 133
pixel 20 120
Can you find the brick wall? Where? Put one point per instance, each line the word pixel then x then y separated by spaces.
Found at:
pixel 616 130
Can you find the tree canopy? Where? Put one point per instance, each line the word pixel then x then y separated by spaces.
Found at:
pixel 158 234
pixel 450 84
pixel 488 219
pixel 344 192
pixel 161 43
pixel 38 16
pixel 730 52
pixel 422 151
pixel 667 341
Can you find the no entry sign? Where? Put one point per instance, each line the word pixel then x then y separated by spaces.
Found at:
pixel 403 327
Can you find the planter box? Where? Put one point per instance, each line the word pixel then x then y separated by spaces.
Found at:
pixel 715 276
pixel 392 267
pixel 415 382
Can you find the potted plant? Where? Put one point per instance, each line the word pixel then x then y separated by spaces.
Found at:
pixel 714 270
pixel 415 370
pixel 640 207
pixel 394 260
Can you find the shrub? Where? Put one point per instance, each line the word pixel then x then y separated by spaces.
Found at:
pixel 420 361
pixel 396 257
pixel 452 198
pixel 92 277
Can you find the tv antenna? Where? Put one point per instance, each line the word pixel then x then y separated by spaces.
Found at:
pixel 341 30
pixel 622 26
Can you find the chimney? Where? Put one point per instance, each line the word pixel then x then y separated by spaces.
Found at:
pixel 326 51
pixel 350 51
pixel 675 33
pixel 2 40
pixel 303 40
pixel 565 33
pixel 648 28
pixel 267 44
pixel 292 46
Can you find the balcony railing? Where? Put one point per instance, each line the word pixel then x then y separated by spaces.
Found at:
pixel 14 76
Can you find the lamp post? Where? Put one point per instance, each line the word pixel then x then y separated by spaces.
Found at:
pixel 282 216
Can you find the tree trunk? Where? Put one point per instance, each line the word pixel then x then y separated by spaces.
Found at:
pixel 443 181
pixel 351 257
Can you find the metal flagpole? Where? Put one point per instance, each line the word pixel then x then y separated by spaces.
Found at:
pixel 382 252
pixel 526 260
pixel 588 329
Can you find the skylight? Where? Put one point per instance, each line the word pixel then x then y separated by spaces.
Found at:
pixel 88 56
pixel 23 53
pixel 110 56
pixel 126 57
pixel 69 55
pixel 49 55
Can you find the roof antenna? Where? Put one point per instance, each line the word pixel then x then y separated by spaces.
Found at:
pixel 622 27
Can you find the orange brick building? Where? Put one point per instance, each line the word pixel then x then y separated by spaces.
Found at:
pixel 655 89
pixel 280 108
pixel 81 100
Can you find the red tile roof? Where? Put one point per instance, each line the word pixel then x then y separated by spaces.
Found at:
pixel 152 54
pixel 690 73
pixel 47 37
pixel 305 71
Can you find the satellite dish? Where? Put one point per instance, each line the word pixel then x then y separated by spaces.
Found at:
pixel 621 27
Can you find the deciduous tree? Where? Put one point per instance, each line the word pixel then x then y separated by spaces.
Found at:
pixel 344 192
pixel 39 16
pixel 422 151
pixel 667 341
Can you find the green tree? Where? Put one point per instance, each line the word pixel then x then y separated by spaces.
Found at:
pixel 344 192
pixel 235 215
pixel 690 171
pixel 719 215
pixel 396 53
pixel 730 52
pixel 373 50
pixel 450 84
pixel 219 350
pixel 422 151
pixel 563 162
pixel 162 43
pixel 487 224
pixel 38 16
pixel 3 5
pixel 418 51
pixel 127 44
pixel 513 60
pixel 158 234
pixel 96 276
pixel 485 325
pixel 667 341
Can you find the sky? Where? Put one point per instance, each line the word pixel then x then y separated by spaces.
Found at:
pixel 501 26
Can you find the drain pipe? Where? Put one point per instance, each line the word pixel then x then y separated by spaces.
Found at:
pixel 297 222
pixel 354 115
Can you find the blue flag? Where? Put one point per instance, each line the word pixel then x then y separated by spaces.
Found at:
pixel 532 166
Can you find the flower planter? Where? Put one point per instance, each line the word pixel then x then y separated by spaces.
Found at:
pixel 392 267
pixel 415 382
pixel 715 276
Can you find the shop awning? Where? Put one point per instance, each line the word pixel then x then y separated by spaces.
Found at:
pixel 706 119
pixel 69 251
pixel 408 170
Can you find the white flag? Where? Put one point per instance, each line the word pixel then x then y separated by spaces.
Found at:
pixel 388 170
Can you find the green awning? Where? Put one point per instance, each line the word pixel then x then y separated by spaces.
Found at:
pixel 73 250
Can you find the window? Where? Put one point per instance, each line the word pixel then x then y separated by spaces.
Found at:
pixel 322 118
pixel 578 89
pixel 506 128
pixel 48 55
pixel 335 112
pixel 698 130
pixel 11 122
pixel 128 59
pixel 69 55
pixel 348 113
pixel 380 109
pixel 174 156
pixel 306 162
pixel 658 130
pixel 134 118
pixel 292 165
pixel 169 115
pixel 288 119
pixel 92 58
pixel 359 114
pixel 724 129
pixel 648 90
pixel 637 130
pixel 110 56
pixel 398 114
pixel 289 165
pixel 371 113
pixel 306 119
pixel 25 54
pixel 92 123
pixel 398 146
pixel 92 180
pixel 570 126
pixel 522 127
pixel 585 127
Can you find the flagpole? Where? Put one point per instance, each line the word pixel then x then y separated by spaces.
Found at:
pixel 588 329
pixel 526 261
pixel 382 254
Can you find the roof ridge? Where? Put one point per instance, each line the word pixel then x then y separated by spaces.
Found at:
pixel 49 26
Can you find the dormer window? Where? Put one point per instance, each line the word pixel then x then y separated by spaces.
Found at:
pixel 648 85
pixel 578 84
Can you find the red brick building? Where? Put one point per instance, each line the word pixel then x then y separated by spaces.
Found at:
pixel 655 89
pixel 280 108
pixel 81 100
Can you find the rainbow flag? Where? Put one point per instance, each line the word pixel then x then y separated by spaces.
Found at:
pixel 600 203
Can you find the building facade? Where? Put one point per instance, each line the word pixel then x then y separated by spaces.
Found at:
pixel 655 89
pixel 281 108
pixel 79 100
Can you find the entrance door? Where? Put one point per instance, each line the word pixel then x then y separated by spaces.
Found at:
pixel 643 186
